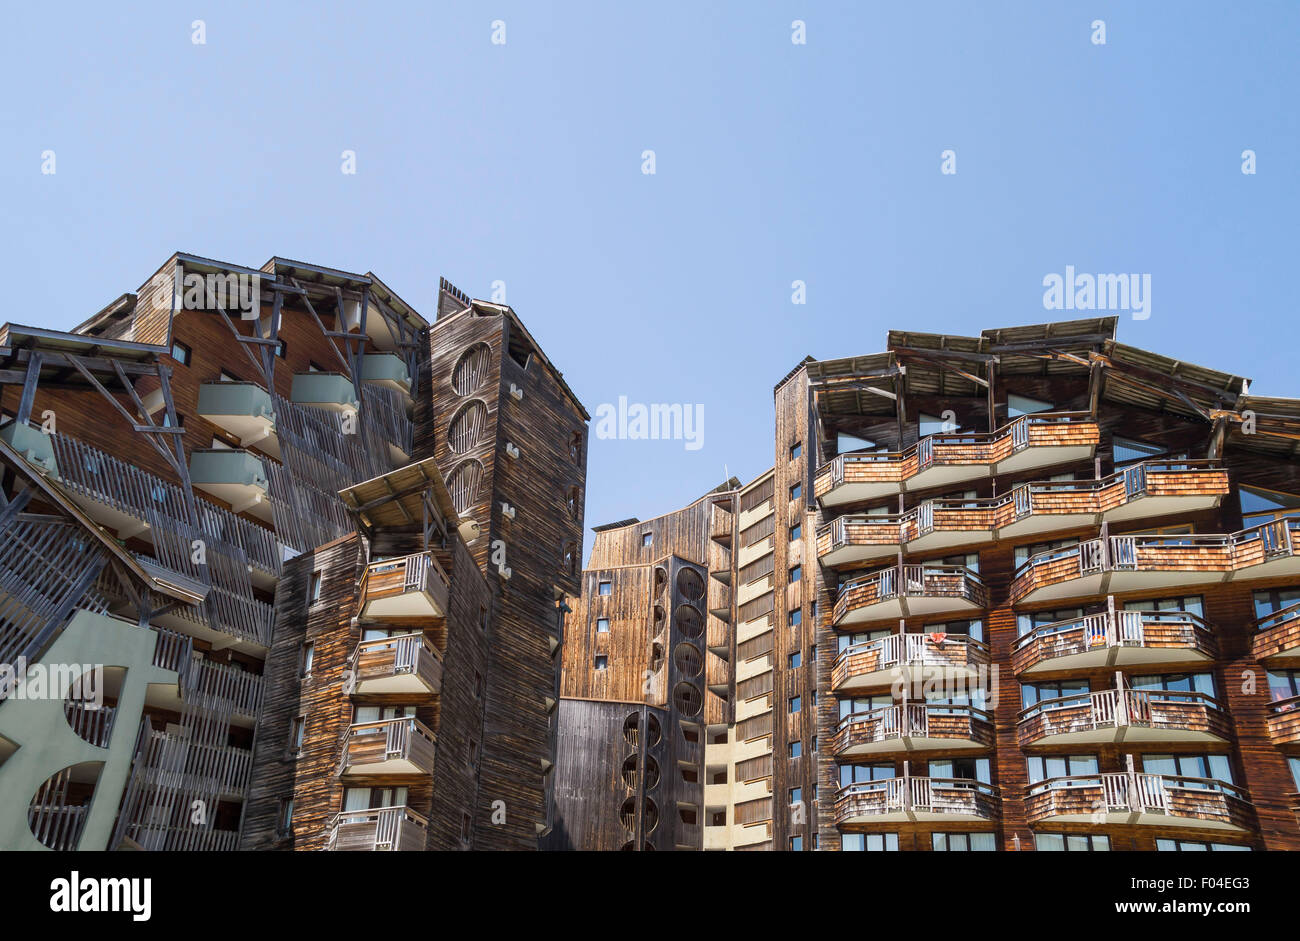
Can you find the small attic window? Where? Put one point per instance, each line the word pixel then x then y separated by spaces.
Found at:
pixel 520 351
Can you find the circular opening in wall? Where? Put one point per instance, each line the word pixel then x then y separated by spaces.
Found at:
pixel 691 584
pixel 687 699
pixel 627 813
pixel 629 771
pixel 649 816
pixel 688 620
pixel 653 733
pixel 467 426
pixel 661 579
pixel 688 659
pixel 651 773
pixel 471 370
pixel 463 483
pixel 632 729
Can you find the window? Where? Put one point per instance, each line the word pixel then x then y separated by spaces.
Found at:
pixel 860 704
pixel 865 774
pixel 974 769
pixel 796 491
pixel 478 685
pixel 972 629
pixel 812 654
pixel 1210 767
pixel 313 367
pixel 1071 842
pixel 796 449
pixel 869 842
pixel 313 587
pixel 931 425
pixel 1052 691
pixel 812 746
pixel 1295 771
pixel 1049 550
pixel 1128 451
pixel 1050 767
pixel 962 842
pixel 1023 405
pixel 796 843
pixel 795 617
pixel 296 730
pixel 1191 604
pixel 606 588
pixel 1202 683
pixel 281 348
pixel 796 795
pixel 284 824
pixel 796 749
pixel 1274 600
pixel 1260 506
pixel 1284 684
pixel 796 573
pixel 602 625
pixel 796 532
pixel 794 660
pixel 181 353
pixel 1194 846
pixel 220 444
pixel 1065 618
pixel 601 662
pixel 647 540
pixel 796 704
pixel 308 654
pixel 167 421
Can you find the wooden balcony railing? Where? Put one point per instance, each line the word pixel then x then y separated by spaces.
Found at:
pixel 916 798
pixel 385 829
pixel 1284 721
pixel 1134 563
pixel 1129 715
pixel 406 663
pixel 1278 634
pixel 903 590
pixel 223 688
pixel 913 726
pixel 402 746
pixel 1139 798
pixel 1148 489
pixel 880 662
pixel 1114 638
pixel 413 586
pixel 949 458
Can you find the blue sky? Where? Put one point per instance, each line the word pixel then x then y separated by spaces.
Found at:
pixel 774 162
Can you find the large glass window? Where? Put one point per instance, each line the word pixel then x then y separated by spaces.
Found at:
pixel 975 769
pixel 1283 684
pixel 1212 767
pixel 1192 604
pixel 1033 693
pixel 1260 506
pixel 962 842
pixel 846 641
pixel 860 704
pixel 1295 771
pixel 1018 405
pixel 863 774
pixel 1058 548
pixel 1071 842
pixel 1273 600
pixel 869 842
pixel 1196 846
pixel 972 629
pixel 1176 683
pixel 1025 623
pixel 1128 451
pixel 1046 767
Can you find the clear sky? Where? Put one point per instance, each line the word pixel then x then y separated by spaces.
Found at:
pixel 774 162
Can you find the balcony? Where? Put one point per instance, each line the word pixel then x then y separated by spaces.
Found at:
pixel 329 390
pixel 33 444
pixel 386 829
pixel 913 727
pixel 1142 563
pixel 408 664
pixel 1115 639
pixel 410 587
pixel 237 477
pixel 921 800
pixel 388 370
pixel 910 657
pixel 1028 442
pixel 722 524
pixel 1139 799
pixel 1277 636
pixel 909 591
pixel 402 746
pixel 1284 721
pixel 243 409
pixel 1151 489
pixel 1132 715
pixel 219 687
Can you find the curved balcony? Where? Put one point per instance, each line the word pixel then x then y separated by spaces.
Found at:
pixel 1030 441
pixel 1130 715
pixel 1284 721
pixel 909 591
pixel 414 586
pixel 402 746
pixel 1139 799
pixel 895 800
pixel 408 663
pixel 1142 563
pixel 909 657
pixel 384 829
pixel 913 727
pixel 1277 636
pixel 1150 489
pixel 1115 638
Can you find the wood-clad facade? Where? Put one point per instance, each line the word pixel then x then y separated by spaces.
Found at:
pixel 1000 590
